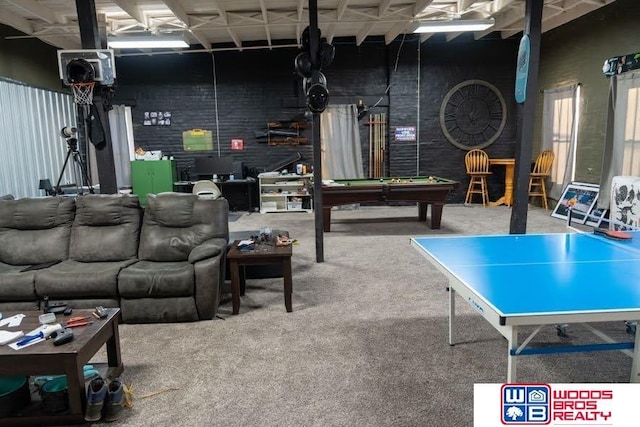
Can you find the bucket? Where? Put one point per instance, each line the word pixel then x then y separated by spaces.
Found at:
pixel 14 394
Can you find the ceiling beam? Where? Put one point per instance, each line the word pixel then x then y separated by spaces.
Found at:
pixel 364 32
pixel 505 20
pixel 420 6
pixel 384 5
pixel 176 8
pixel 331 33
pixel 464 5
pixel 265 18
pixel 131 9
pixel 16 21
pixel 342 6
pixel 567 16
pixel 36 9
pixel 235 38
pixel 426 36
pixel 299 12
pixel 397 29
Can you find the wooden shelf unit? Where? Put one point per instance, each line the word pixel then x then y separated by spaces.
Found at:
pixel 285 193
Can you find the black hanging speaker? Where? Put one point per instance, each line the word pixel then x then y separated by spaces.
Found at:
pixel 317 98
pixel 303 64
pixel 326 53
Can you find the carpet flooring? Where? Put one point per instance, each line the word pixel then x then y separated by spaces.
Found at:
pixel 365 345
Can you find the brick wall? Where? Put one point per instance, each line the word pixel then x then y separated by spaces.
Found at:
pixel 256 87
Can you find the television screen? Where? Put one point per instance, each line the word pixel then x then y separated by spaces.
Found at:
pixel 210 165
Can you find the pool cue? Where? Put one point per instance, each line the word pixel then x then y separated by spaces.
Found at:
pixel 370 148
pixel 383 125
pixel 375 139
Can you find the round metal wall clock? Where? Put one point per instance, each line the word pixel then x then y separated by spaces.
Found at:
pixel 473 114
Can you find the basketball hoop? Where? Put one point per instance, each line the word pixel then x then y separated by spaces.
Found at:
pixel 83 92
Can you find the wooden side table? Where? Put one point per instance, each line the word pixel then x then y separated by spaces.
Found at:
pixel 261 255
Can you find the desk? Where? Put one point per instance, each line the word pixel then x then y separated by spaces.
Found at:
pixel 44 358
pixel 507 197
pixel 230 190
pixel 516 281
pixel 262 255
pixel 421 189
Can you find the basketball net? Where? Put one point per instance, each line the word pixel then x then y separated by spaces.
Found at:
pixel 83 93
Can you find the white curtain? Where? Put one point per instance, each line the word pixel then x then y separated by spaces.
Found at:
pixel 559 135
pixel 340 142
pixel 121 126
pixel 622 139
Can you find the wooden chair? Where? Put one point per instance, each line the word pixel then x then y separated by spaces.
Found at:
pixel 541 171
pixel 477 164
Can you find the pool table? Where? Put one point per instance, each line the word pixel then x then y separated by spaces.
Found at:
pixel 425 190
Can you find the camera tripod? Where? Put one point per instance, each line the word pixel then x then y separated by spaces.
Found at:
pixel 79 171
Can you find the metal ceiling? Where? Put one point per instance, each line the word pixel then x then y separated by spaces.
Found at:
pixel 243 24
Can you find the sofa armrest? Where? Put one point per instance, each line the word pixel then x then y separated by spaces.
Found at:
pixel 209 249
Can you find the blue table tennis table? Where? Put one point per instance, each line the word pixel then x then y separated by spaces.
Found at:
pixel 543 279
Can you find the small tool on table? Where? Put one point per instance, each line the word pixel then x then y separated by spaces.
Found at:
pixel 78 321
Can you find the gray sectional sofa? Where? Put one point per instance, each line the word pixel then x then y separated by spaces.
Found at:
pixel 165 263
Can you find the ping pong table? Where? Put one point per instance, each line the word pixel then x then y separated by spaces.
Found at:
pixel 529 280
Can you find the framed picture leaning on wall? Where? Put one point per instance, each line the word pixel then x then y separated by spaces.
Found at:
pixel 580 198
pixel 598 218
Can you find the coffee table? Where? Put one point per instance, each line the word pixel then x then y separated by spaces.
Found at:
pixel 44 358
pixel 261 255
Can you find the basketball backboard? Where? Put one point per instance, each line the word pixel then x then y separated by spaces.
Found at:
pixel 102 60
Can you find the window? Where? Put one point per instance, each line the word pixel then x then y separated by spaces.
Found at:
pixel 631 153
pixel 560 120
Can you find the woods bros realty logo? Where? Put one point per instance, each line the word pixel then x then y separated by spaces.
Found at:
pixel 530 404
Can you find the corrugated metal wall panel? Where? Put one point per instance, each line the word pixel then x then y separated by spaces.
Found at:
pixel 31 147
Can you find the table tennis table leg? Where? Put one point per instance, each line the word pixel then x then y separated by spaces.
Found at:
pixel 452 313
pixel 635 365
pixel 511 360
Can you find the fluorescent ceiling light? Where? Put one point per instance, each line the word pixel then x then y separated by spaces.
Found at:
pixel 146 42
pixel 455 26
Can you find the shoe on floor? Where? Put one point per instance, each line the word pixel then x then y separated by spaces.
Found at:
pixel 115 401
pixel 96 395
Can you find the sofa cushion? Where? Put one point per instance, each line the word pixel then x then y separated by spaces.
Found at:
pixel 147 279
pixel 159 310
pixel 106 228
pixel 16 285
pixel 175 223
pixel 70 279
pixel 35 231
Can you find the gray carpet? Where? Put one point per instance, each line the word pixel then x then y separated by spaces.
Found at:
pixel 366 344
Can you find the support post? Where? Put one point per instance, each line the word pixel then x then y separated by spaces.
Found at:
pixel 314 44
pixel 533 27
pixel 91 39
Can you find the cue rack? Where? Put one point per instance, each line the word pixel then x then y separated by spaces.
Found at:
pixel 377 144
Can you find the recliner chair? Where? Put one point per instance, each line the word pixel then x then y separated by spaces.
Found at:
pixel 181 267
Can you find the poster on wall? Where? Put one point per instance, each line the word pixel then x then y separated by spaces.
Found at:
pixel 237 144
pixel 405 133
pixel 197 140
pixel 157 118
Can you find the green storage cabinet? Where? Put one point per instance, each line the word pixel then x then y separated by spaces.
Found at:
pixel 152 176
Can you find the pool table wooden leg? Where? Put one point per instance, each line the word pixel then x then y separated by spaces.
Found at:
pixel 326 219
pixel 436 215
pixel 422 211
